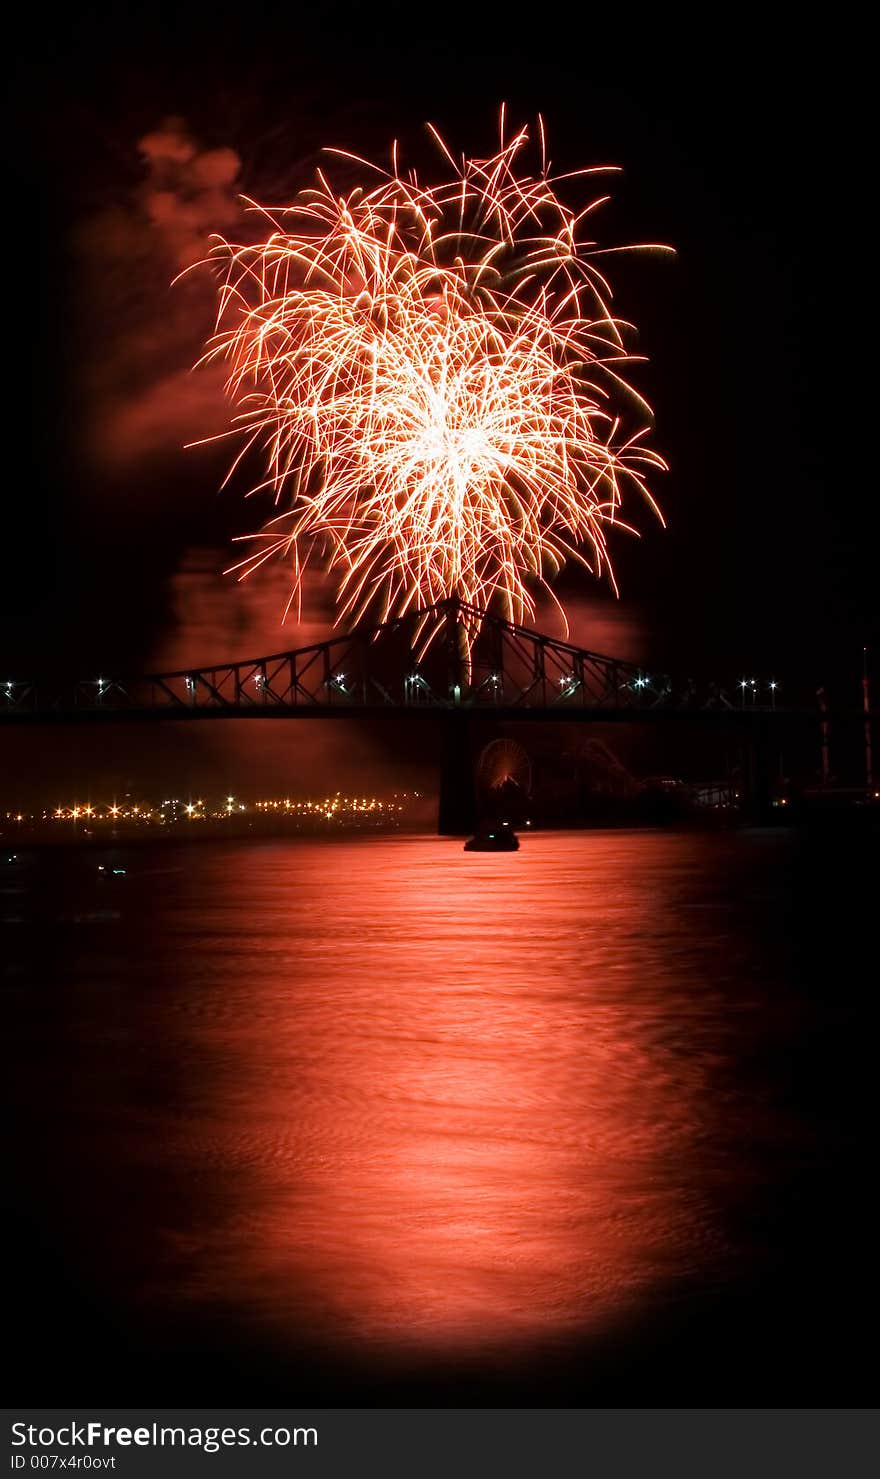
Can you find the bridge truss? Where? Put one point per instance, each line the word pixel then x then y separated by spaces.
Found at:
pixel 445 658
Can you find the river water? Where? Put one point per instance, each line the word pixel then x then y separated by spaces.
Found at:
pixel 375 1119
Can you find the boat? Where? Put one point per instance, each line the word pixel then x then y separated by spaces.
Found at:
pixel 500 837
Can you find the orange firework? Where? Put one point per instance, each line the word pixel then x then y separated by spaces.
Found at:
pixel 431 373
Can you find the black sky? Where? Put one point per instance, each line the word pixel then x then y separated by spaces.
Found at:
pixel 740 139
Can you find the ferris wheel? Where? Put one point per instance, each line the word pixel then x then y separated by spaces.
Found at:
pixel 504 765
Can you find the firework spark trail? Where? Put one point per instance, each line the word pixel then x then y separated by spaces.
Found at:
pixel 431 375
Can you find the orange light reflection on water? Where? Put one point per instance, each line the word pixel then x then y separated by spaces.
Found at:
pixel 441 1099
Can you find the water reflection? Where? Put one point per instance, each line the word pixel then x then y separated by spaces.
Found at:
pixel 423 1097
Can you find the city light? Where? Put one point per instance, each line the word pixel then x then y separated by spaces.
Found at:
pixel 338 808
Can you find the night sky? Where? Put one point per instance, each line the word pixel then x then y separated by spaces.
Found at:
pixel 740 146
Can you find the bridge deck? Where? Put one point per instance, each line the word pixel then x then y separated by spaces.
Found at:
pixel 450 658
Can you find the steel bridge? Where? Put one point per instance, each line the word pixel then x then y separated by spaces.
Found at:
pixel 450 663
pixel 391 668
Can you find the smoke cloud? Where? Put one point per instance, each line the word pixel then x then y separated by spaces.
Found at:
pixel 216 618
pixel 142 331
pixel 189 193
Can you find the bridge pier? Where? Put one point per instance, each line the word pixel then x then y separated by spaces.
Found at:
pixel 457 812
pixel 757 772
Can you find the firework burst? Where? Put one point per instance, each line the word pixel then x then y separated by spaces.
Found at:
pixel 435 381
